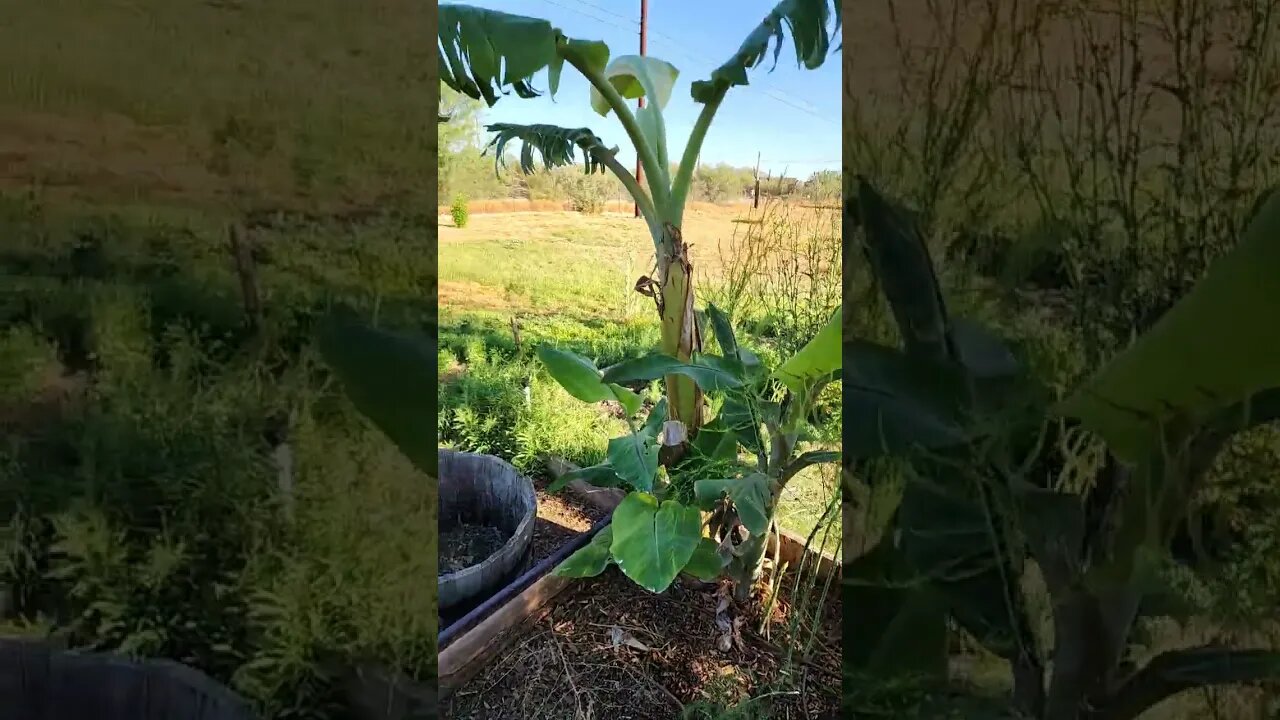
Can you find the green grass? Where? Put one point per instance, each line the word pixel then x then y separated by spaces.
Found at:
pixel 139 501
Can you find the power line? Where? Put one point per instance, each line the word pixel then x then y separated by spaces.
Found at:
pixel 761 87
pixel 608 12
pixel 598 19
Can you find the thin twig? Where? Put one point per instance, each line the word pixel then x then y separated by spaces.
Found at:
pixel 577 701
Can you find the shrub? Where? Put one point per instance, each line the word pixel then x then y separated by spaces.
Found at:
pixel 587 193
pixel 370 563
pixel 781 275
pixel 721 183
pixel 543 185
pixel 459 211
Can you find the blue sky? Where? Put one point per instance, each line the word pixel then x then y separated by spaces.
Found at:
pixel 791 116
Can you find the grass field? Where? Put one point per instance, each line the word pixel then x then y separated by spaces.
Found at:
pixel 567 278
pixel 321 104
pixel 145 507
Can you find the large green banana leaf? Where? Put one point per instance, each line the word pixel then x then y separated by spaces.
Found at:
pixel 1217 347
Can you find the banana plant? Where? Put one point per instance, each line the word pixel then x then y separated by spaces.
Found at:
pixel 763 415
pixel 970 516
pixel 390 379
pixel 486 54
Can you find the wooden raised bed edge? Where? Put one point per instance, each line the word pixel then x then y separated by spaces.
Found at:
pixel 472 650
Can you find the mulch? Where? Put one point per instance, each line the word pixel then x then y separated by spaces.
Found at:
pixel 609 649
pixel 561 517
pixel 466 544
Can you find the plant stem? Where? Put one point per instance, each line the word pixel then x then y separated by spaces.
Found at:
pixel 648 156
pixel 684 175
pixel 752 561
pixel 679 338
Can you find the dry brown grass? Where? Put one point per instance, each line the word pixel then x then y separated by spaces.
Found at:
pixel 117 101
pixel 539 264
pixel 602 240
pixel 514 205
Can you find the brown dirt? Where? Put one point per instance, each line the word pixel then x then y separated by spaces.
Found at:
pixel 110 158
pixel 461 293
pixel 566 664
pixel 561 517
pixel 452 373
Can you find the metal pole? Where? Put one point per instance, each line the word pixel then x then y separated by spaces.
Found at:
pixel 644 23
pixel 755 203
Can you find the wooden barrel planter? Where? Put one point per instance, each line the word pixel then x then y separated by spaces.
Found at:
pixel 484 490
pixel 38 682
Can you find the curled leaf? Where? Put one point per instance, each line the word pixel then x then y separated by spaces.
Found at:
pixel 811 35
pixel 556 145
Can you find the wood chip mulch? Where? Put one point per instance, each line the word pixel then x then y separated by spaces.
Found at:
pixel 607 649
pixel 561 517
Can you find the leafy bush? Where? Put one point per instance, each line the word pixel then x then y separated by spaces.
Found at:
pixel 587 194
pixel 544 185
pixel 720 183
pixel 163 497
pixel 479 408
pixel 1159 436
pixel 351 580
pixel 500 406
pixel 554 424
pixel 120 333
pixel 781 275
pixel 459 211
pixel 823 186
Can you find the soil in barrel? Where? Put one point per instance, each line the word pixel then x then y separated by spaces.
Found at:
pixel 466 544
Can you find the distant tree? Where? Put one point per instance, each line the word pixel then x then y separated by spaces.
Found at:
pixel 721 183
pixel 823 185
pixel 458 133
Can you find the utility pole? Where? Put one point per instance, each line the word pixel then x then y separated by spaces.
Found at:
pixel 644 23
pixel 755 204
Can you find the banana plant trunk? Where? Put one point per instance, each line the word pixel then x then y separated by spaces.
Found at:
pixel 680 337
pixel 747 568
